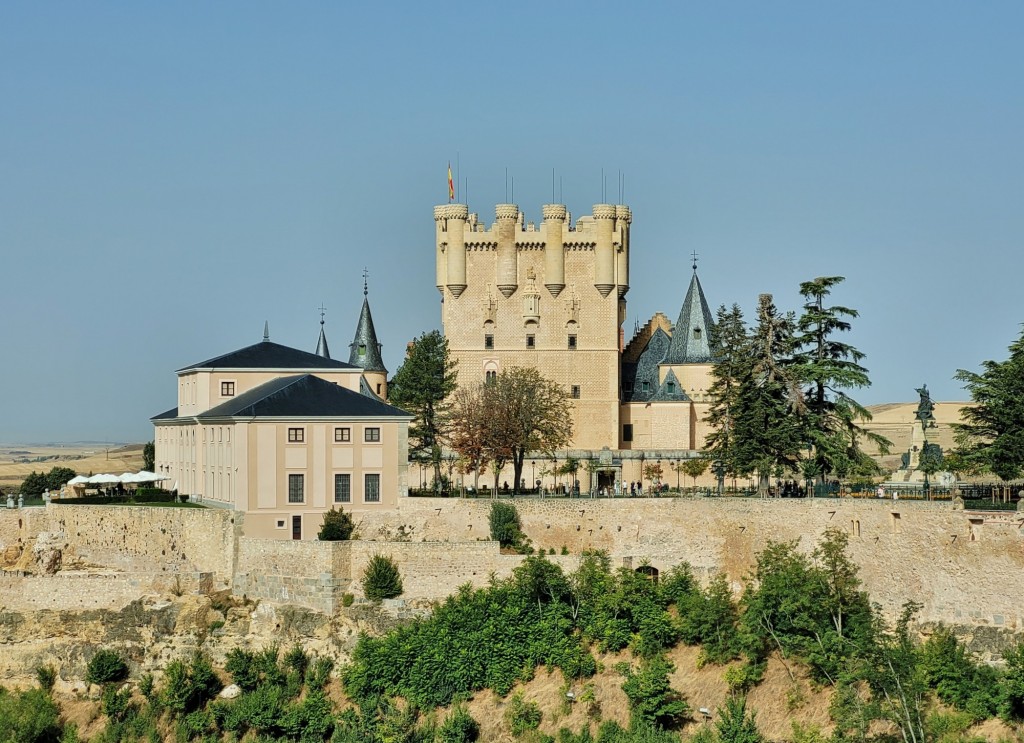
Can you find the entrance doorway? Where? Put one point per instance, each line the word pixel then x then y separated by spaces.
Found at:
pixel 606 481
pixel 296 527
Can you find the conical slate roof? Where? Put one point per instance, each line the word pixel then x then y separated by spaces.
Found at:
pixel 364 351
pixel 321 344
pixel 691 337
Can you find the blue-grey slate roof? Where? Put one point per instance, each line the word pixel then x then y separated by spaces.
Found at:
pixel 645 369
pixel 691 336
pixel 299 396
pixel 364 350
pixel 167 414
pixel 269 355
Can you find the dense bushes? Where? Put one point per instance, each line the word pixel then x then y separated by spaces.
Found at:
pixel 29 716
pixel 505 526
pixel 381 579
pixel 337 526
pixel 106 667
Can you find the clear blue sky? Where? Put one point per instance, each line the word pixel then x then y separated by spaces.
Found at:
pixel 174 174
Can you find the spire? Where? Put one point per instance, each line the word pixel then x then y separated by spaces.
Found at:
pixel 321 344
pixel 364 351
pixel 266 331
pixel 691 337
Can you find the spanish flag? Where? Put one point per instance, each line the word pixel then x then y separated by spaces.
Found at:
pixel 451 183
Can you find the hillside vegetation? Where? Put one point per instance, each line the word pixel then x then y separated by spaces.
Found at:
pixel 595 655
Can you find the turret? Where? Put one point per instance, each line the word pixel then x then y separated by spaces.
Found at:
pixel 365 351
pixel 554 250
pixel 507 216
pixel 604 263
pixel 623 216
pixel 451 241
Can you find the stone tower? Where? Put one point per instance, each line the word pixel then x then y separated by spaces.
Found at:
pixel 550 296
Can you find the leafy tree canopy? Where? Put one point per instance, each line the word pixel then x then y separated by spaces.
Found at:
pixel 991 436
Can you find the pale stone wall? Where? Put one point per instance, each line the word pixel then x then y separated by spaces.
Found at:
pixel 310 574
pixel 140 539
pixel 964 568
pixel 83 592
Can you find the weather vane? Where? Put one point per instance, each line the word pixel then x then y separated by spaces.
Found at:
pixel 323 310
pixel 694 254
pixel 366 275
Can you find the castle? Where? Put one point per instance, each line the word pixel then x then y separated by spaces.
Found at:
pixel 553 296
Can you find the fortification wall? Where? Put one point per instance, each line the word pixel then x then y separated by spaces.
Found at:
pixel 83 592
pixel 138 539
pixel 964 568
pixel 307 573
pixel 20 525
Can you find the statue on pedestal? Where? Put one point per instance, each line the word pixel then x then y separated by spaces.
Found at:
pixel 925 406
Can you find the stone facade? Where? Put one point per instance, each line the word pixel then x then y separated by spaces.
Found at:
pixel 553 296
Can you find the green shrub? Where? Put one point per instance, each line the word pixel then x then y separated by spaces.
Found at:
pixel 146 685
pixel 29 716
pixel 319 673
pixel 522 716
pixel 733 723
pixel 187 688
pixel 337 526
pixel 347 599
pixel 505 524
pixel 47 677
pixel 117 705
pixel 652 700
pixel 458 727
pixel 106 667
pixel 381 579
pixel 957 679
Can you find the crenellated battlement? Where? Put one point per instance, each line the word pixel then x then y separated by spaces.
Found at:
pixel 605 231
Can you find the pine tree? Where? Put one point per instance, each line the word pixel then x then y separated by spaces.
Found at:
pixel 730 342
pixel 827 367
pixel 767 432
pixel 992 434
pixel 420 386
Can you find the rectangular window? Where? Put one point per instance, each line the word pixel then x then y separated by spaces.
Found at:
pixel 343 488
pixel 575 392
pixel 371 434
pixel 572 342
pixel 296 489
pixel 488 341
pixel 342 434
pixel 296 527
pixel 227 389
pixel 627 431
pixel 531 341
pixel 371 494
pixel 296 435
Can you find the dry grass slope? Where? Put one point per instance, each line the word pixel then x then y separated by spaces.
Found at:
pixel 82 459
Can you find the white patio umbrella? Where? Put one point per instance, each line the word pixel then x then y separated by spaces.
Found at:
pixel 78 480
pixel 104 479
pixel 147 476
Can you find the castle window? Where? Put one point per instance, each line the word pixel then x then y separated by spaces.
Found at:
pixel 371 493
pixel 575 391
pixel 371 434
pixel 645 386
pixel 627 431
pixel 488 341
pixel 490 376
pixel 696 334
pixel 296 435
pixel 343 488
pixel 670 387
pixel 572 342
pixel 378 389
pixel 362 350
pixel 227 389
pixel 341 435
pixel 296 488
pixel 531 341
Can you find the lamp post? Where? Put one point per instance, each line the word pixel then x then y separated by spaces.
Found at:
pixel 678 467
pixel 642 458
pixel 533 472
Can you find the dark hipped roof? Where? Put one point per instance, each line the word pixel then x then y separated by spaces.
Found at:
pixel 688 347
pixel 172 413
pixel 302 396
pixel 269 355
